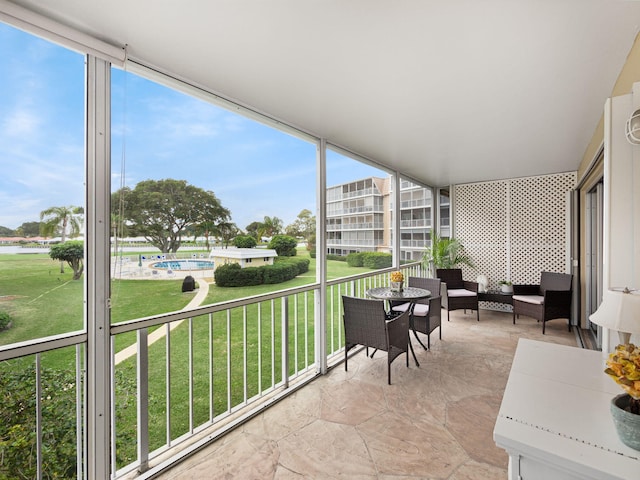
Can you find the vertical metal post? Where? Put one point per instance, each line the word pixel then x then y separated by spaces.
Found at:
pixel 143 399
pixel 395 246
pixel 98 197
pixel 38 419
pixel 321 257
pixel 285 340
pixel 79 403
pixel 167 380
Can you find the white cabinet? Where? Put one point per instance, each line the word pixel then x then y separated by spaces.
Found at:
pixel 554 421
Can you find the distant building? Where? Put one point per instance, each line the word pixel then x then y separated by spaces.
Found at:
pixel 356 219
pixel 245 257
pixel 359 217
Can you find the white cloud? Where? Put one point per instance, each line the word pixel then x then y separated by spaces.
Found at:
pixel 20 123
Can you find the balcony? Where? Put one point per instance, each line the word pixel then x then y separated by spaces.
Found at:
pixel 193 384
pixel 434 421
pixel 355 226
pixel 193 375
pixel 416 223
pixel 352 243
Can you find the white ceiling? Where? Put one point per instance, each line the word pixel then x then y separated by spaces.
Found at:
pixel 447 91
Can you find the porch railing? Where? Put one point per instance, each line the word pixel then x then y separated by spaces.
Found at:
pixel 196 374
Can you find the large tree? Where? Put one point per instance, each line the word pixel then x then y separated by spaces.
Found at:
pixel 253 229
pixel 161 210
pixel 29 229
pixel 304 226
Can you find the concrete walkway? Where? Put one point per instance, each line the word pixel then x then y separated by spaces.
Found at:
pixel 201 294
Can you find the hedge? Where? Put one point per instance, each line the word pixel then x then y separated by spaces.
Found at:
pixel 232 275
pixel 377 260
pixel 374 260
pixel 355 259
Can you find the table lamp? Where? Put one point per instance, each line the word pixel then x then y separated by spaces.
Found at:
pixel 619 311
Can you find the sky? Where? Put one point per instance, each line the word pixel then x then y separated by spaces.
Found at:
pixel 254 170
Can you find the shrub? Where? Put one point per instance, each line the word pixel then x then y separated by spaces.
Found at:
pixel 244 241
pixel 284 245
pixel 301 264
pixel 231 275
pixel 58 402
pixel 279 272
pixel 283 269
pixel 355 259
pixel 333 256
pixel 5 320
pixel 376 260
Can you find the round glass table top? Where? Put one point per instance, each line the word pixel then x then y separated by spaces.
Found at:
pixel 407 293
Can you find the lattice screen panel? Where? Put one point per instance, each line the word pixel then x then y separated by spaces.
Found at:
pixel 513 229
pixel 539 225
pixel 481 226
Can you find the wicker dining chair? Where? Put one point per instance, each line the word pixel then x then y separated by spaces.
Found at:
pixel 427 313
pixel 459 294
pixel 548 300
pixel 365 323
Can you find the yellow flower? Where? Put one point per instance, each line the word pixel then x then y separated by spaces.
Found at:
pixel 623 366
pixel 396 276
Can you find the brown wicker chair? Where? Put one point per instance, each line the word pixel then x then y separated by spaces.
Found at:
pixel 427 313
pixel 460 294
pixel 365 323
pixel 549 300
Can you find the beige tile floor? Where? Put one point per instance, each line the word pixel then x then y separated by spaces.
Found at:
pixel 433 422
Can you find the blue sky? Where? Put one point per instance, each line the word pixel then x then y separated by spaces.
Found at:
pixel 157 133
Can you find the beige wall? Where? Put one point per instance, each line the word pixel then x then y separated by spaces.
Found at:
pixel 591 168
pixel 629 74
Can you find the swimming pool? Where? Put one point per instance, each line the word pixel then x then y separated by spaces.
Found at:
pixel 184 265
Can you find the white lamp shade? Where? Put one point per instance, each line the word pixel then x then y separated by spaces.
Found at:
pixel 619 311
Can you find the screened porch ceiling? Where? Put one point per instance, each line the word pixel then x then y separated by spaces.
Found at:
pixel 447 91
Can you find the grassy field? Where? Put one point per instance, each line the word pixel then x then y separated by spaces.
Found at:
pixel 43 302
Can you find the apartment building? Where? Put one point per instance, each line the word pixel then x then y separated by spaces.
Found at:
pixel 360 217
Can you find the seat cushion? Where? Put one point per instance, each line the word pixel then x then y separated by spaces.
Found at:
pixel 534 299
pixel 461 292
pixel 401 308
pixel 420 310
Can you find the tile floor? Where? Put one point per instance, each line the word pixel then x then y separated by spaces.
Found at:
pixel 433 422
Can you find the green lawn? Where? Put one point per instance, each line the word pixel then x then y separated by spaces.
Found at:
pixel 44 302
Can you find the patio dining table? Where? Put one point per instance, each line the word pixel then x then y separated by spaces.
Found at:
pixel 407 294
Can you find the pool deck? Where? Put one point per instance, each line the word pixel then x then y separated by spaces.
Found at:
pixel 128 268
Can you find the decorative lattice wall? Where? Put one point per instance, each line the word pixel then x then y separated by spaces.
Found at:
pixel 514 229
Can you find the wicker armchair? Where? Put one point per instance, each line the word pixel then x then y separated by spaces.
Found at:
pixel 427 313
pixel 549 300
pixel 365 323
pixel 459 294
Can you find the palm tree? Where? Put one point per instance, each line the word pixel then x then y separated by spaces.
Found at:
pixel 59 220
pixel 445 253
pixel 225 231
pixel 271 226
